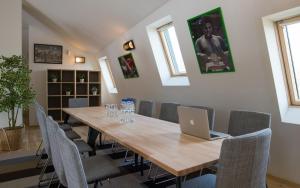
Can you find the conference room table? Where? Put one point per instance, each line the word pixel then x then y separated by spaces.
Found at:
pixel 158 141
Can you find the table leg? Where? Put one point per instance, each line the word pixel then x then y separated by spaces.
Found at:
pixel 136 160
pixel 178 182
pixel 142 166
pixel 100 139
pixel 66 119
pixel 91 140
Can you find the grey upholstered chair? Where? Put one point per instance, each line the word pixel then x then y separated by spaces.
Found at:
pixel 168 112
pixel 41 116
pixel 42 124
pixel 244 122
pixel 79 173
pixel 52 128
pixel 77 103
pixel 243 163
pixel 146 108
pixel 211 115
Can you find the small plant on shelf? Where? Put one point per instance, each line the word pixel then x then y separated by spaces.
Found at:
pixel 53 77
pixel 68 91
pixel 94 90
pixel 81 78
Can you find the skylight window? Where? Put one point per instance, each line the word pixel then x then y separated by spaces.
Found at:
pixel 289 38
pixel 171 49
pixel 107 75
pixel 167 53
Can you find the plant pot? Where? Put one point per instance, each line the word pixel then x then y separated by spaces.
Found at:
pixel 13 137
pixel 54 79
pixel 68 93
pixel 81 80
pixel 94 92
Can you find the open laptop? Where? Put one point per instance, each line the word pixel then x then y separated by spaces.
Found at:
pixel 194 122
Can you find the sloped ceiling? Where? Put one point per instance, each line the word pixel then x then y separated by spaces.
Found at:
pixel 92 24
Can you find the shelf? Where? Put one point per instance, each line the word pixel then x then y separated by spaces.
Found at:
pixel 70 80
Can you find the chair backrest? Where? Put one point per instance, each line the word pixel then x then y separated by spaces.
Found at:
pixel 146 108
pixel 168 112
pixel 244 122
pixel 41 118
pixel 57 161
pixel 72 162
pixel 210 114
pixel 244 160
pixel 78 102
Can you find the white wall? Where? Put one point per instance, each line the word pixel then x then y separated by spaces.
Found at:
pixel 40 33
pixel 10 37
pixel 251 87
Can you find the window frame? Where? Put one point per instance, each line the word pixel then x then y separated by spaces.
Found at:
pixel 166 51
pixel 114 86
pixel 290 77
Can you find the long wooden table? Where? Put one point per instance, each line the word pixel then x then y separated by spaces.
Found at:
pixel 158 141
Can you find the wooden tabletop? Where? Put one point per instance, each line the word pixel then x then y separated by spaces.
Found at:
pixel 159 141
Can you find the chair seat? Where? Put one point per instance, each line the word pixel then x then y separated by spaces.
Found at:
pixel 65 127
pixel 82 146
pixel 100 168
pixel 72 135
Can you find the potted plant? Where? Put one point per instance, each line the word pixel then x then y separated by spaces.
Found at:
pixel 68 91
pixel 94 90
pixel 15 95
pixel 53 77
pixel 81 78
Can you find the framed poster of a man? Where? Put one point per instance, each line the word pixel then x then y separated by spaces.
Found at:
pixel 210 41
pixel 128 66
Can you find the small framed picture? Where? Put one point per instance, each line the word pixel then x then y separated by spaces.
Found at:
pixel 128 66
pixel 45 53
pixel 211 43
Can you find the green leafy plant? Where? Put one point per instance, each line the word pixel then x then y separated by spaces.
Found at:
pixel 81 76
pixel 68 89
pixel 94 89
pixel 53 76
pixel 15 92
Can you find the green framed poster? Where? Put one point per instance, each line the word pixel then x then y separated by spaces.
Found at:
pixel 211 43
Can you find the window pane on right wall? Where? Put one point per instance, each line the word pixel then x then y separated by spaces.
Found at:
pixel 289 35
pixel 292 40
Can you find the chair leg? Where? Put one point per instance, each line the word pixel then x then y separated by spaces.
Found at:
pixel 149 171
pixel 43 171
pixel 38 149
pixel 126 154
pixel 52 177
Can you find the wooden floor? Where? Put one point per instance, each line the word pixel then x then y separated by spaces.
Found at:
pixel 32 140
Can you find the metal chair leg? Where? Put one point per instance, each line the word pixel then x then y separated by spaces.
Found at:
pixel 149 171
pixel 43 171
pixel 38 149
pixel 52 177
